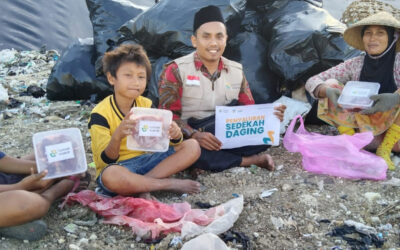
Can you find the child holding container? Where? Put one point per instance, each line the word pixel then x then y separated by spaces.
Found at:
pixel 25 197
pixel 120 170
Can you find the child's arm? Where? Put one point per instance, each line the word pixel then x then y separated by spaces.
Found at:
pixel 32 182
pixel 175 134
pixel 124 129
pixel 13 165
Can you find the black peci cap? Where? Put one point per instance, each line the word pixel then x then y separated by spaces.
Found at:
pixel 207 14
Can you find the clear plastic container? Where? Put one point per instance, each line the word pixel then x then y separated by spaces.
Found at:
pixel 151 131
pixel 61 152
pixel 355 94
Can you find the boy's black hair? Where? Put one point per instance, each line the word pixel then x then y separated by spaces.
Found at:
pixel 135 53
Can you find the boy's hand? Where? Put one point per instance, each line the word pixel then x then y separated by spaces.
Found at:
pixel 175 132
pixel 35 183
pixel 280 111
pixel 125 128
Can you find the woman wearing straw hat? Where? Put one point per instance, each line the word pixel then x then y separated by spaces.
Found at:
pixel 377 35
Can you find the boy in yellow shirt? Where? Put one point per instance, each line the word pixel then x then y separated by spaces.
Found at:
pixel 118 169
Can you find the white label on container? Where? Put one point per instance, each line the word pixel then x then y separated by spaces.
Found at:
pixel 59 152
pixel 359 92
pixel 150 128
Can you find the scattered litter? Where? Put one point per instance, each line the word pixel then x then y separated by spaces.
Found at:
pixel 268 193
pixel 3 94
pixel 71 228
pixel 176 242
pixel 277 222
pixel 293 108
pixel 253 168
pixel 393 182
pixel 203 204
pixel 207 241
pixel 357 239
pixel 386 227
pixel 360 227
pixel 371 196
pixel 237 237
pixel 287 187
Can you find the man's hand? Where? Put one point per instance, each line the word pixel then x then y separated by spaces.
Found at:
pixel 383 102
pixel 175 132
pixel 34 182
pixel 333 95
pixel 207 141
pixel 280 111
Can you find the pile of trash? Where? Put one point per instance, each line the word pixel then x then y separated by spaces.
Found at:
pixel 280 43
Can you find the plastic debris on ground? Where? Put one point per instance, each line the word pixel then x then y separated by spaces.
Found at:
pixel 293 109
pixel 152 217
pixel 268 193
pixel 358 236
pixel 206 241
pixel 239 239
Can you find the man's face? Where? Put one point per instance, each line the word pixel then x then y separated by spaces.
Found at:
pixel 210 41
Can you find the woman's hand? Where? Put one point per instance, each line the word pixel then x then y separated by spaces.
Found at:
pixel 382 102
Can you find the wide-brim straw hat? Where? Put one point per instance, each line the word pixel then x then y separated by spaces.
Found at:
pixel 352 35
pixel 361 9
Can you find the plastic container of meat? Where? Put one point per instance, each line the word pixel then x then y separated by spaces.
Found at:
pixel 151 131
pixel 355 94
pixel 61 152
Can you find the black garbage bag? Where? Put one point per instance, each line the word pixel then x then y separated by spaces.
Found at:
pixel 73 77
pixel 304 40
pixel 157 65
pixel 165 29
pixel 250 50
pixel 28 25
pixel 106 17
pixel 268 5
pixel 252 21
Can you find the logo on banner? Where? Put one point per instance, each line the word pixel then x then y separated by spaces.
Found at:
pixel 270 138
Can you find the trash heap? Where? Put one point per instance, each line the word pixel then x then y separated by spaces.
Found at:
pixel 280 43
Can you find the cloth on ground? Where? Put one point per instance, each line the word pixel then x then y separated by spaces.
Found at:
pixel 145 216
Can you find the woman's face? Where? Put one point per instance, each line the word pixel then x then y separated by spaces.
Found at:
pixel 375 39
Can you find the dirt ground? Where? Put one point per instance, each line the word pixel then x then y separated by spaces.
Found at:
pixel 299 215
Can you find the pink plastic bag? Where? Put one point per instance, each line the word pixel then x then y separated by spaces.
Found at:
pixel 340 155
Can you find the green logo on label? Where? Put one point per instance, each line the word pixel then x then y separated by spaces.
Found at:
pixel 53 153
pixel 145 128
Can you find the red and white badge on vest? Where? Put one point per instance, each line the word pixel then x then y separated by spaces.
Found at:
pixel 193 80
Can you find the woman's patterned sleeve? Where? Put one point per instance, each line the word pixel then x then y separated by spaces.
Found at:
pixel 344 72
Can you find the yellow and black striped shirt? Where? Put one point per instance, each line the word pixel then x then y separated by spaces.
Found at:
pixel 104 120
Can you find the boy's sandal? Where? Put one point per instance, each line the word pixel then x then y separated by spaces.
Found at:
pixel 80 183
pixel 33 230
